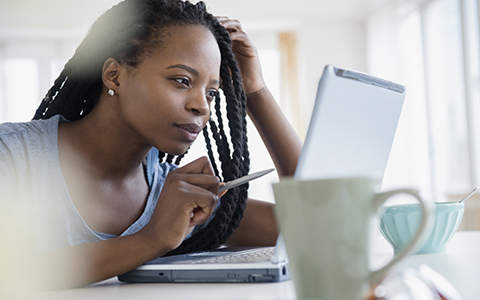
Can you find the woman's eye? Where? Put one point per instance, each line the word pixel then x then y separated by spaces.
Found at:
pixel 183 81
pixel 211 95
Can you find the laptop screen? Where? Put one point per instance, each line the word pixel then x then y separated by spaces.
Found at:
pixel 352 126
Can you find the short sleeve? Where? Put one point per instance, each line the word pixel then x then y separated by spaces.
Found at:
pixel 7 173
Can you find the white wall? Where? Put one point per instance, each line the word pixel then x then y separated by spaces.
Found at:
pixel 322 42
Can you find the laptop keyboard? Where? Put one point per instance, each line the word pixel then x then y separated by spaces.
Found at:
pixel 247 256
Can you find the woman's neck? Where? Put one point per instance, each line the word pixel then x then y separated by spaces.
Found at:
pixel 104 146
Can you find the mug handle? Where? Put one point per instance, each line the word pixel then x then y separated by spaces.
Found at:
pixel 424 230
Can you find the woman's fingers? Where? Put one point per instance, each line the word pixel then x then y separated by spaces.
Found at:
pixel 229 24
pixel 201 205
pixel 201 165
pixel 246 56
pixel 187 199
pixel 234 27
pixel 200 173
pixel 203 181
pixel 198 186
pixel 221 194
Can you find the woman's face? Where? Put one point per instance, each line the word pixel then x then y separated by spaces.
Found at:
pixel 166 99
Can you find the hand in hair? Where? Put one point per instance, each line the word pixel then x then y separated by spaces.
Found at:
pixel 278 135
pixel 246 56
pixel 188 198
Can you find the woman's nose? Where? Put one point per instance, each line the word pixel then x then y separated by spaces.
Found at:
pixel 198 104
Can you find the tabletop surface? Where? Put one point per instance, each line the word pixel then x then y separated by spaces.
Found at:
pixel 460 264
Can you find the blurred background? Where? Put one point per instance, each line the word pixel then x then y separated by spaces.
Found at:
pixel 430 46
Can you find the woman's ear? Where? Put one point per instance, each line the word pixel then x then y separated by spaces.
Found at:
pixel 110 73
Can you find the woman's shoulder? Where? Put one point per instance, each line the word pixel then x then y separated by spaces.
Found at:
pixel 26 148
pixel 24 130
pixel 22 142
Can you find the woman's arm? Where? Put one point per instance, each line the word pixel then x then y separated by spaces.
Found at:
pixel 281 140
pixel 258 227
pixel 188 198
pixel 88 263
pixel 279 137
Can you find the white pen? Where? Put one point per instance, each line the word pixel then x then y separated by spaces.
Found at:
pixel 243 180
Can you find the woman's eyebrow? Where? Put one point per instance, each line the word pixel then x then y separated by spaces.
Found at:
pixel 186 68
pixel 191 70
pixel 217 82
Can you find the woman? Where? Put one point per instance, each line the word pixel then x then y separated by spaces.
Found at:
pixel 141 86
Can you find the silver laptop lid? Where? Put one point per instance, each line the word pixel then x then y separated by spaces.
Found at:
pixel 352 126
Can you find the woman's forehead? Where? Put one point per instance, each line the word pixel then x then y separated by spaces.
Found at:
pixel 188 43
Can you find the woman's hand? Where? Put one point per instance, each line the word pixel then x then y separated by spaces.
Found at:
pixel 246 56
pixel 188 198
pixel 279 137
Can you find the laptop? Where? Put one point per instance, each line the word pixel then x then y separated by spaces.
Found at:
pixel 351 132
pixel 352 127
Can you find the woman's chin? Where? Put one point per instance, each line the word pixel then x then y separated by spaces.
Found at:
pixel 175 151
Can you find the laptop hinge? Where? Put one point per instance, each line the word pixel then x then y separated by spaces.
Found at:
pixel 280 254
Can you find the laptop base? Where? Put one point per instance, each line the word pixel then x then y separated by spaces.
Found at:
pixel 214 276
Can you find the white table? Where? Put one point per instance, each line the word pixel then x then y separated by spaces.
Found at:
pixel 460 264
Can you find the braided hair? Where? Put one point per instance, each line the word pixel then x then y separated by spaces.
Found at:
pixel 130 31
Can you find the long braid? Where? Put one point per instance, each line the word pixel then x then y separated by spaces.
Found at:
pixel 221 139
pixel 129 32
pixel 231 209
pixel 209 146
pixel 236 113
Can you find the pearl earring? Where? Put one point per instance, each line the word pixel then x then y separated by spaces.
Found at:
pixel 111 92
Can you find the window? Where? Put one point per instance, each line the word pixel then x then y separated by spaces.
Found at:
pixel 28 69
pixel 446 96
pixel 20 88
pixel 432 48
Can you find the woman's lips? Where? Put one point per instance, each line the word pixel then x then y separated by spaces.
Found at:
pixel 189 131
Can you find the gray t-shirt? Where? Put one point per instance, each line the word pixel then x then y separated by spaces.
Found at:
pixel 30 175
